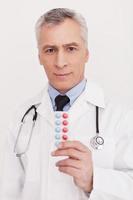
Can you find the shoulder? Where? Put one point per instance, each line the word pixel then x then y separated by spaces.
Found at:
pixel 122 105
pixel 35 100
pixel 21 109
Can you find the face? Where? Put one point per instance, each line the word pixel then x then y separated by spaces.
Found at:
pixel 63 54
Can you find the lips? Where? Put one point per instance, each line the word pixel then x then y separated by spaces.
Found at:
pixel 62 74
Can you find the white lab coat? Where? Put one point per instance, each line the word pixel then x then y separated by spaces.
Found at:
pixel 35 176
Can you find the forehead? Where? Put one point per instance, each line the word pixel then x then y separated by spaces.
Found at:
pixel 66 32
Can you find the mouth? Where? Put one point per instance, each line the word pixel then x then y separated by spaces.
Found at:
pixel 62 74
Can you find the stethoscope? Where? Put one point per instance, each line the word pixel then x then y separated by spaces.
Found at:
pixel 96 142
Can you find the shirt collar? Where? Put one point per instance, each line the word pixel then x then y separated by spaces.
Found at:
pixel 72 93
pixel 92 94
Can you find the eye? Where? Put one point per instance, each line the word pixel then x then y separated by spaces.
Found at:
pixel 50 50
pixel 71 49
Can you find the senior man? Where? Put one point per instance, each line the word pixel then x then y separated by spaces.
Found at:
pixel 73 144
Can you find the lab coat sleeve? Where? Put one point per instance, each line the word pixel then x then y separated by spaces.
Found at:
pixel 12 173
pixel 117 183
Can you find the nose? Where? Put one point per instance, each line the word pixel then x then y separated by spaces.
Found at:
pixel 61 60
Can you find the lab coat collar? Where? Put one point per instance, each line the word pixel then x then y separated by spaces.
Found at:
pixel 94 94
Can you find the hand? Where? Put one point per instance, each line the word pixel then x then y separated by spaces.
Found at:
pixel 78 164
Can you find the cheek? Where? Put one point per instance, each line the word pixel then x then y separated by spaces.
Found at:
pixel 44 61
pixel 79 59
pixel 78 64
pixel 78 68
pixel 47 65
pixel 48 70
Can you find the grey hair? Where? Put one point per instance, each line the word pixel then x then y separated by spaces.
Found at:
pixel 57 16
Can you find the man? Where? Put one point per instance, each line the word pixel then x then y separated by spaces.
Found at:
pixel 80 146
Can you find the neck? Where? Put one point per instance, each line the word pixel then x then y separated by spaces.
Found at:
pixel 62 92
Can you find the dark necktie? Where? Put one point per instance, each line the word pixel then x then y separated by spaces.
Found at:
pixel 61 101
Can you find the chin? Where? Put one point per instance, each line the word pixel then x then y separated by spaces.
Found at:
pixel 63 87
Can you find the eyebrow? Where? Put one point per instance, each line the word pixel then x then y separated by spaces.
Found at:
pixel 71 44
pixel 64 45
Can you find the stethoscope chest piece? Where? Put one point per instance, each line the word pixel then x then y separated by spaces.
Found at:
pixel 97 142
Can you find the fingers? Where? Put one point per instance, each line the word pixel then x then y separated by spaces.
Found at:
pixel 73 144
pixel 69 163
pixel 72 153
pixel 70 171
pixel 73 149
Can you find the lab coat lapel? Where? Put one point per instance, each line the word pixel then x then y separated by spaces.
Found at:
pixel 45 108
pixel 93 95
pixel 78 109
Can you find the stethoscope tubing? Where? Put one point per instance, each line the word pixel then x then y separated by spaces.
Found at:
pixel 33 107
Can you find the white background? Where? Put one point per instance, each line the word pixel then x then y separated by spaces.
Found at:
pixel 110 42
